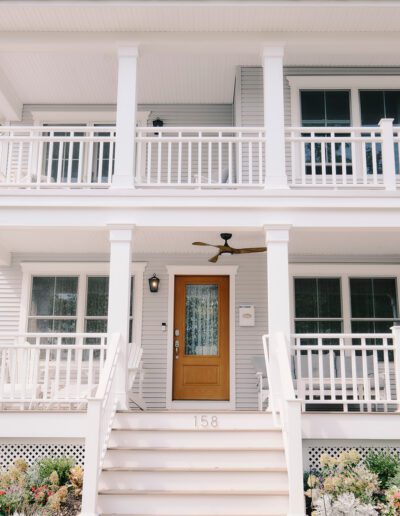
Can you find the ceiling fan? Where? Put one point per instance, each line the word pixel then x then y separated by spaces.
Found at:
pixel 225 248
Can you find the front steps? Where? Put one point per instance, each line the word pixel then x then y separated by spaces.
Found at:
pixel 194 464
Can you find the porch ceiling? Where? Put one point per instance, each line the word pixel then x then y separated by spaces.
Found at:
pixel 89 244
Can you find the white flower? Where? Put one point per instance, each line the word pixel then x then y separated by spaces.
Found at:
pixel 345 505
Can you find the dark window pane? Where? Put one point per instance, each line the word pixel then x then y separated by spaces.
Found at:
pixel 42 302
pixel 97 296
pixel 306 301
pixel 361 297
pixel 65 296
pixel 337 107
pixel 52 325
pixel 306 326
pixel 312 107
pixel 392 105
pixel 96 326
pixel 372 107
pixel 385 299
pixel 329 299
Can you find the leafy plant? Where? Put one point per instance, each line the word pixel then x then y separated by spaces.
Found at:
pixel 384 465
pixel 61 465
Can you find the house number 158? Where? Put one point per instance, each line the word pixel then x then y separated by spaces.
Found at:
pixel 205 421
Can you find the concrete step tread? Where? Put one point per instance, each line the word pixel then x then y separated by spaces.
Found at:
pixel 135 492
pixel 272 469
pixel 198 430
pixel 197 449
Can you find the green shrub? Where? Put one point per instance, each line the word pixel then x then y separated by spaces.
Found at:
pixel 384 465
pixel 61 465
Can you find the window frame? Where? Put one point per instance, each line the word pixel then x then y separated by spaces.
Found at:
pixel 82 270
pixel 344 271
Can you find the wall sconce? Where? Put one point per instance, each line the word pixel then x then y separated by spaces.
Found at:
pixel 154 283
pixel 158 123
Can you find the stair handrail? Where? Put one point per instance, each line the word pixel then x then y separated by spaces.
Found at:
pixel 283 400
pixel 101 410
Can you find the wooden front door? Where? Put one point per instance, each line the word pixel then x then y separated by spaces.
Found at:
pixel 201 338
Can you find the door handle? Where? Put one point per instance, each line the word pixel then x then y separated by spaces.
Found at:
pixel 176 344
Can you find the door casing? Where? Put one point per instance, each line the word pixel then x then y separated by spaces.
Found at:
pixel 201 270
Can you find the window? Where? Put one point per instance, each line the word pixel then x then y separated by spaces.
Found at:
pixel 96 304
pixel 318 306
pixel 53 304
pixel 373 304
pixel 377 104
pixel 326 108
pixel 63 159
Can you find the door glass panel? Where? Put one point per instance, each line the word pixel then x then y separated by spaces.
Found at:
pixel 201 331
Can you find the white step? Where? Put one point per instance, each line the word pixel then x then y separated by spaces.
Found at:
pixel 187 480
pixel 194 458
pixel 189 504
pixel 194 420
pixel 209 439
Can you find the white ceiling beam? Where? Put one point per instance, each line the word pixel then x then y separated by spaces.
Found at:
pixel 5 257
pixel 10 104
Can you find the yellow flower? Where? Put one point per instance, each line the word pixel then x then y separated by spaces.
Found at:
pixel 325 459
pixel 62 493
pixel 312 481
pixel 54 480
pixel 329 484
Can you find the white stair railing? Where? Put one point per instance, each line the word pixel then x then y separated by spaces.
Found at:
pixel 283 401
pixel 100 416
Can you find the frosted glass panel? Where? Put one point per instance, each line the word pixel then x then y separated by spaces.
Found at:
pixel 201 333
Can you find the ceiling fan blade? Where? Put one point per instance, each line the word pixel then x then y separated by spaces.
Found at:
pixel 246 250
pixel 203 243
pixel 214 259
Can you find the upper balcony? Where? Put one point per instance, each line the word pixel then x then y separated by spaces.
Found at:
pixel 200 157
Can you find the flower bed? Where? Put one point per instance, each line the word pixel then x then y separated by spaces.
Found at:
pixel 345 486
pixel 51 486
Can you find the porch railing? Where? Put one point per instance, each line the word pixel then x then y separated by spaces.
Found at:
pixel 50 370
pixel 355 157
pixel 347 372
pixel 54 156
pixel 206 157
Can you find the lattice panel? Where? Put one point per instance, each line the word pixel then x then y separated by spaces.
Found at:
pixel 33 451
pixel 314 453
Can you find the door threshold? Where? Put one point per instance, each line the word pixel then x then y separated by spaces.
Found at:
pixel 201 405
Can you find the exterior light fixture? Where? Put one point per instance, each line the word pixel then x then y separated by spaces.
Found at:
pixel 158 123
pixel 154 283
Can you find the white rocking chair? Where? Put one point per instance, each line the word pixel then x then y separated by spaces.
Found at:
pixel 135 370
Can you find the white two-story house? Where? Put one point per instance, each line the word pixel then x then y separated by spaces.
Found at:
pixel 132 135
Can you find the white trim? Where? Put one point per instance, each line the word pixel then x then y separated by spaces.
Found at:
pixel 202 270
pixel 344 271
pixel 71 116
pixel 352 83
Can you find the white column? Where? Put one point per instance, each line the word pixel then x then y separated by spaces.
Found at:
pixel 277 240
pixel 119 300
pixel 274 117
pixel 126 117
pixel 388 161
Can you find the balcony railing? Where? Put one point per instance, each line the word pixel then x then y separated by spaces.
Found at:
pixel 69 157
pixel 200 158
pixel 214 157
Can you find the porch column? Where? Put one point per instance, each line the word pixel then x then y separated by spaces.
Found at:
pixel 277 239
pixel 274 118
pixel 124 171
pixel 119 300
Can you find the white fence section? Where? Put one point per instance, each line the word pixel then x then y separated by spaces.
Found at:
pixel 357 372
pixel 283 400
pixel 50 370
pixel 100 415
pixel 337 156
pixel 54 156
pixel 214 157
